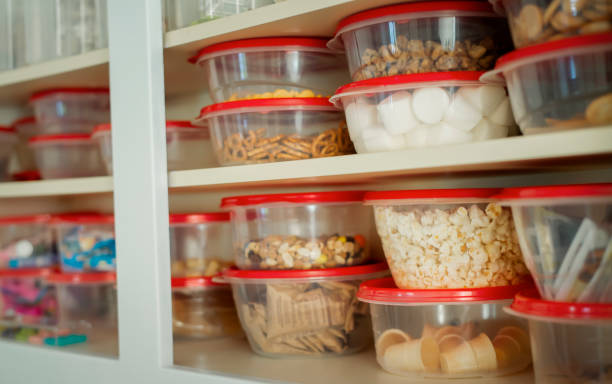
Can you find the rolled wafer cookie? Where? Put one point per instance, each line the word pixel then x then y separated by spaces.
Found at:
pixel 456 355
pixel 484 352
pixel 507 350
pixel 519 335
pixel 420 355
pixel 388 338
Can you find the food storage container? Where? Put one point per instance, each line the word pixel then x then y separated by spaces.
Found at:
pixel 267 130
pixel 200 244
pixel 559 85
pixel 8 139
pixel 64 156
pixel 86 242
pixel 300 230
pixel 565 233
pixel 446 333
pixel 570 342
pixel 203 309
pixel 27 242
pixel 422 110
pixel 422 37
pixel 271 67
pixel 71 110
pixel 26 128
pixel 304 313
pixel 184 13
pixel 26 297
pixel 447 238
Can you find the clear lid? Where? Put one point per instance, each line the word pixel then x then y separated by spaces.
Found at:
pixel 294 198
pixel 429 196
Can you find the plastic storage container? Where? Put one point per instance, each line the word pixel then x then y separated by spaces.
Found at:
pixel 300 230
pixel 447 238
pixel 27 242
pixel 422 110
pixel 446 333
pixel 271 67
pixel 422 37
pixel 27 298
pixel 565 234
pixel 304 313
pixel 571 342
pixel 267 130
pixel 184 13
pixel 26 128
pixel 8 139
pixel 559 85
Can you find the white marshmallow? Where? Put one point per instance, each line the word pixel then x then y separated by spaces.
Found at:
pixel 485 98
pixel 359 116
pixel 462 114
pixel 395 112
pixel 444 133
pixel 377 139
pixel 430 104
pixel 486 130
pixel 503 114
pixel 417 137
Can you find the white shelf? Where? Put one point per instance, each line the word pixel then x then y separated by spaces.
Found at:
pixel 82 185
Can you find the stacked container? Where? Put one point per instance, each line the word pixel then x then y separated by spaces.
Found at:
pixel 26 128
pixel 8 141
pixel 184 13
pixel 27 242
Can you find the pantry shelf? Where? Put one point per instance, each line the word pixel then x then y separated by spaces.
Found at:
pixel 75 186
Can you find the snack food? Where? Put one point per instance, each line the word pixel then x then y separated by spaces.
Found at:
pixel 8 139
pixel 26 297
pixel 279 93
pixel 27 242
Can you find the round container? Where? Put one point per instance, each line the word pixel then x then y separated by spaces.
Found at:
pixel 26 297
pixel 422 37
pixel 300 230
pixel 26 128
pixel 447 238
pixel 267 130
pixel 8 139
pixel 570 342
pixel 281 66
pixel 185 13
pixel 422 110
pixel 446 333
pixel 559 85
pixel 303 313
pixel 565 233
pixel 27 242
pixel 65 156
pixel 203 309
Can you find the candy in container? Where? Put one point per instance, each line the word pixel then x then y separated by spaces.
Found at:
pixel 27 242
pixel 8 140
pixel 27 298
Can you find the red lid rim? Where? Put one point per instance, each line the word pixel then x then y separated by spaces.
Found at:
pixel 529 303
pixel 7 129
pixel 294 198
pixel 556 191
pixel 358 270
pixel 27 272
pixel 195 282
pixel 24 120
pixel 30 219
pixel 60 137
pixel 315 103
pixel 87 218
pixel 30 175
pixel 417 194
pixel 199 218
pixel 77 90
pixel 83 278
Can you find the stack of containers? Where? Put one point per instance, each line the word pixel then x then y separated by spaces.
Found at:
pixel 26 128
pixel 8 141
pixel 184 13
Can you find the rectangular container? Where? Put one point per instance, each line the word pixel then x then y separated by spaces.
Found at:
pixel 27 298
pixel 8 141
pixel 184 13
pixel 27 242
pixel 26 128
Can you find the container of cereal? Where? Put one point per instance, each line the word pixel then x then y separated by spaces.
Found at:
pixel 300 230
pixel 271 67
pixel 8 140
pixel 570 342
pixel 447 238
pixel 422 37
pixel 26 128
pixel 185 13
pixel 565 233
pixel 268 130
pixel 446 333
pixel 26 297
pixel 423 109
pixel 27 242
pixel 304 313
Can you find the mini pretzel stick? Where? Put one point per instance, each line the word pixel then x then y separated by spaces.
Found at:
pixel 235 140
pixel 263 155
pixel 260 149
pixel 297 154
pixel 297 146
pixel 286 156
pixel 323 141
pixel 250 141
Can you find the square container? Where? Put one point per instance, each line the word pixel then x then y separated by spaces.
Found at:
pixel 184 13
pixel 446 333
pixel 311 313
pixel 447 238
pixel 27 298
pixel 300 230
pixel 26 128
pixel 423 110
pixel 565 233
pixel 422 37
pixel 8 140
pixel 27 242
pixel 269 130
pixel 271 67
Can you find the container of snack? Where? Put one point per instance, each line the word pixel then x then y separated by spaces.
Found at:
pixel 545 98
pixel 26 128
pixel 570 342
pixel 310 230
pixel 446 333
pixel 304 313
pixel 422 37
pixel 565 233
pixel 65 156
pixel 26 297
pixel 185 13
pixel 423 110
pixel 447 238
pixel 27 242
pixel 280 66
pixel 86 242
pixel 203 309
pixel 8 140
pixel 268 130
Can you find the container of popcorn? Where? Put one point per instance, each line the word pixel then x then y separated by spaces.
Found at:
pixel 271 67
pixel 436 36
pixel 300 230
pixel 446 333
pixel 565 233
pixel 8 140
pixel 27 298
pixel 269 130
pixel 203 309
pixel 27 242
pixel 545 98
pixel 304 313
pixel 26 128
pixel 447 238
pixel 423 110
pixel 185 13
pixel 570 342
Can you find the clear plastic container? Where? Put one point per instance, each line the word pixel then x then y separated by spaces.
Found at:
pixel 65 156
pixel 565 233
pixel 559 85
pixel 447 238
pixel 27 242
pixel 184 13
pixel 71 110
pixel 268 130
pixel 422 37
pixel 423 110
pixel 26 128
pixel 203 309
pixel 446 333
pixel 311 313
pixel 26 297
pixel 8 140
pixel 300 230
pixel 279 66
pixel 571 342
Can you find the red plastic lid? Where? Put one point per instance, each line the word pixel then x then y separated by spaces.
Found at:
pixel 556 191
pixel 472 76
pixel 24 120
pixel 235 273
pixel 432 194
pixel 5 129
pixel 529 303
pixel 294 198
pixel 83 218
pixel 195 282
pixel 24 219
pixel 61 137
pixel 169 124
pixel 27 272
pixel 268 105
pixel 83 278
pixel 48 92
pixel 197 218
pixel 26 175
